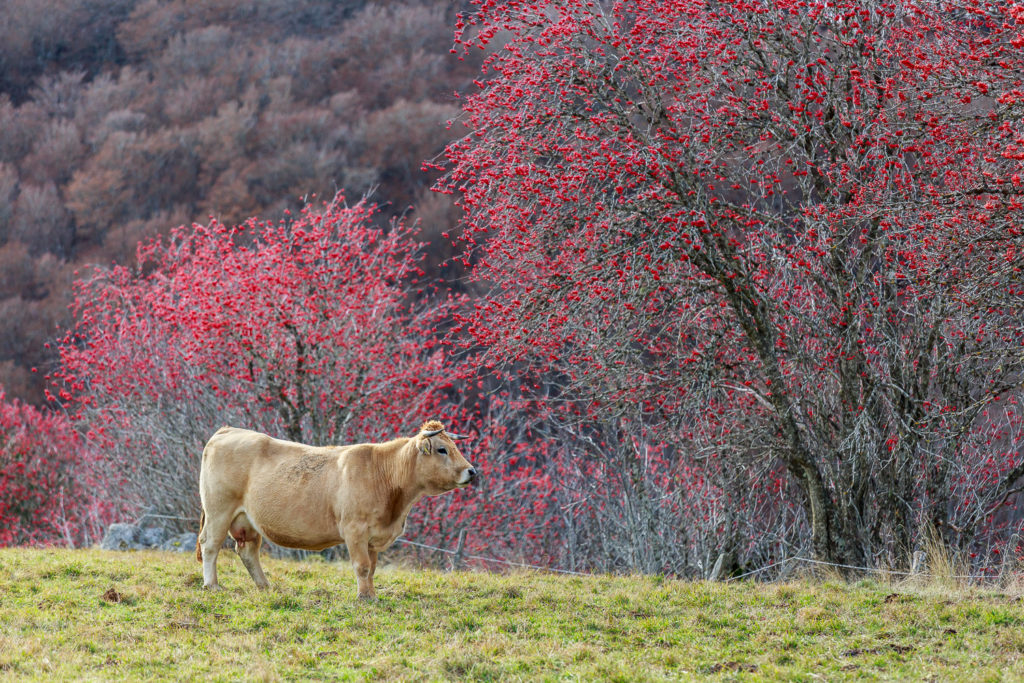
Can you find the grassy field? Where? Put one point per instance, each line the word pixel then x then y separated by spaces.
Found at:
pixel 106 615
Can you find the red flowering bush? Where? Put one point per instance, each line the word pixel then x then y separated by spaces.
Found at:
pixel 306 328
pixel 46 494
pixel 511 513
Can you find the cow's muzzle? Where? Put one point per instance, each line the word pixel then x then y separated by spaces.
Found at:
pixel 468 476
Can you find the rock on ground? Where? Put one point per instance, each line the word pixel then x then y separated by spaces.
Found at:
pixel 122 536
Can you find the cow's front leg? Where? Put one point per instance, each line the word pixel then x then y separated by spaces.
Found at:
pixel 364 562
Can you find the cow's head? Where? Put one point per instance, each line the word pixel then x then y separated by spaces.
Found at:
pixel 440 466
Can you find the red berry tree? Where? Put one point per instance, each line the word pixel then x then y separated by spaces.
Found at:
pixel 47 493
pixel 763 238
pixel 316 328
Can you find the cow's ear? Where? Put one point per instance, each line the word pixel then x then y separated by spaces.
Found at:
pixel 424 445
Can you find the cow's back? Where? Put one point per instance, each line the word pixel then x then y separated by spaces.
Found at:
pixel 230 454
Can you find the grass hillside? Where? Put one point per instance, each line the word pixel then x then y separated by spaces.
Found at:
pixel 104 615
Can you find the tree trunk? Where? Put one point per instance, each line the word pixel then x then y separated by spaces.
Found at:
pixel 820 515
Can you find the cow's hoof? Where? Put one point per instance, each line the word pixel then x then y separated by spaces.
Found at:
pixel 213 588
pixel 368 597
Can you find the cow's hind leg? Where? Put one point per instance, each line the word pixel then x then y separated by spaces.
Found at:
pixel 211 537
pixel 247 545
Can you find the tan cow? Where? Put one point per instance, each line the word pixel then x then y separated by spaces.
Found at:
pixel 254 486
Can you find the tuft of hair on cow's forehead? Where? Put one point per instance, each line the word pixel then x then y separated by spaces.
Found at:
pixel 431 425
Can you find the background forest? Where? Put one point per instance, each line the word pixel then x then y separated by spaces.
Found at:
pixel 707 282
pixel 120 120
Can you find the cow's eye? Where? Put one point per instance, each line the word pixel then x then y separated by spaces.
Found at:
pixel 442 450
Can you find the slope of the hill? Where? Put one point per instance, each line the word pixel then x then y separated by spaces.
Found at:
pixel 69 615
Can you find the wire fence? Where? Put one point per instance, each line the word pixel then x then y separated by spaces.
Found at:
pixel 759 570
pixel 869 570
pixel 494 560
pixel 149 515
pixel 461 555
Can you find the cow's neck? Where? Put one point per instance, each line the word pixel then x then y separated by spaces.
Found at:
pixel 403 490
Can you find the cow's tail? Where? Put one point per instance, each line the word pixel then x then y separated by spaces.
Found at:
pixel 199 536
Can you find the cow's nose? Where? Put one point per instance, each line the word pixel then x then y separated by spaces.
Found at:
pixel 467 477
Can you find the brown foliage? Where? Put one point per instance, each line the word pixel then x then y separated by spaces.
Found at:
pixel 57 152
pixel 19 126
pixel 17 274
pixel 40 219
pixel 8 190
pixel 58 95
pixel 120 241
pixel 119 119
pixel 79 34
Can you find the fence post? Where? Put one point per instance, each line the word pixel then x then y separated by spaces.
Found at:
pixel 920 562
pixel 456 564
pixel 722 565
pixel 1009 566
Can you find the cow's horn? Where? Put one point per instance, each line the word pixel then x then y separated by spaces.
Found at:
pixel 458 436
pixel 433 432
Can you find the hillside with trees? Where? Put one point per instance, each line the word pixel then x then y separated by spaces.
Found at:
pixel 120 120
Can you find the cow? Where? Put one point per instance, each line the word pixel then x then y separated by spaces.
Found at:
pixel 254 486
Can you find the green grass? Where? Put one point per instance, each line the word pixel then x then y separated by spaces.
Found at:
pixel 72 615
